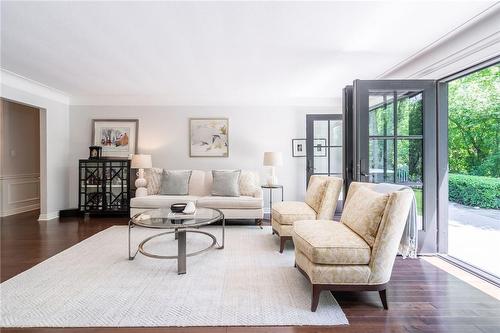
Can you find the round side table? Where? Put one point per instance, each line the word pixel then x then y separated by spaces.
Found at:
pixel 271 188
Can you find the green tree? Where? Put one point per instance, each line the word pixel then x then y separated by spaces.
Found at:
pixel 474 123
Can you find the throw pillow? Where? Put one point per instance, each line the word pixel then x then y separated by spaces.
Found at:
pixel 153 177
pixel 363 213
pixel 249 183
pixel 175 182
pixel 226 183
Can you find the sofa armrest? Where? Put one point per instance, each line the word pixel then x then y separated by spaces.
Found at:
pixel 258 193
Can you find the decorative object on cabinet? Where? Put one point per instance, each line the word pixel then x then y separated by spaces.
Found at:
pixel 104 186
pixel 208 137
pixel 95 152
pixel 298 147
pixel 273 159
pixel 117 137
pixel 141 162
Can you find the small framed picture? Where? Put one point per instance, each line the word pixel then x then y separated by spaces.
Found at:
pixel 298 147
pixel 117 137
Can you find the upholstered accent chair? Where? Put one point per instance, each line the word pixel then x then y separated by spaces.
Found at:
pixel 358 252
pixel 320 203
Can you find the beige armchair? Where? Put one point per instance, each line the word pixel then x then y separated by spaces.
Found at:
pixel 358 253
pixel 320 203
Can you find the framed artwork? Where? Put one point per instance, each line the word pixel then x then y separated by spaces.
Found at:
pixel 208 137
pixel 320 147
pixel 298 147
pixel 117 137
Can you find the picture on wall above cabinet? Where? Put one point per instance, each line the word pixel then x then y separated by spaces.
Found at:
pixel 208 137
pixel 117 137
pixel 298 147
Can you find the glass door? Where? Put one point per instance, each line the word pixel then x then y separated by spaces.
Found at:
pixel 395 142
pixel 324 145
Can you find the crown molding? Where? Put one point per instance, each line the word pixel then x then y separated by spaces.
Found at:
pixel 479 47
pixel 162 100
pixel 13 80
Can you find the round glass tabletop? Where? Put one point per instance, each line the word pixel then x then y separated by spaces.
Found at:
pixel 164 218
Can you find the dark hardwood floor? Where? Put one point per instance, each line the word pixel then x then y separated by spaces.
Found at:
pixel 422 298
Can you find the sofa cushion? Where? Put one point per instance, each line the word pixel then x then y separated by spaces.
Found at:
pixel 330 242
pixel 363 213
pixel 200 183
pixel 241 202
pixel 290 211
pixel 175 182
pixel 226 183
pixel 157 201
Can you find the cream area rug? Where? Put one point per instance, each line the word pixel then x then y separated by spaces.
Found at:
pixel 93 284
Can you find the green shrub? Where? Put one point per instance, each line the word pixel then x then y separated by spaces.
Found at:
pixel 474 191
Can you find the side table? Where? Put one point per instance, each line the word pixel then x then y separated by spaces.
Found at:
pixel 271 188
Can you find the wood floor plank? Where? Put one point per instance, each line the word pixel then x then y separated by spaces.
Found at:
pixel 422 297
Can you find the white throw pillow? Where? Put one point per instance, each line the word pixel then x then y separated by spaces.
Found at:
pixel 153 177
pixel 249 183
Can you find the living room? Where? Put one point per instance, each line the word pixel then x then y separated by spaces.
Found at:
pixel 250 166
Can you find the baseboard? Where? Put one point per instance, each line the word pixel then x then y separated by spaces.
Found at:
pixel 48 216
pixel 20 210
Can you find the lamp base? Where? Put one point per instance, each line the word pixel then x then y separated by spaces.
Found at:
pixel 141 192
pixel 272 180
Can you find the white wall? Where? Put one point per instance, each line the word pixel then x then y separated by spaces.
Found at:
pixel 19 158
pixel 54 133
pixel 164 133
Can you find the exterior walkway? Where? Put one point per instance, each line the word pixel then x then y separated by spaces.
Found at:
pixel 474 236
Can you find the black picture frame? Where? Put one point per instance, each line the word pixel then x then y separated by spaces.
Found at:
pixel 95 152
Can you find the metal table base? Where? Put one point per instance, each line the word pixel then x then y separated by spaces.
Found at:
pixel 180 236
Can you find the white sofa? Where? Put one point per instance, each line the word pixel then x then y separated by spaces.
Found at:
pixel 247 206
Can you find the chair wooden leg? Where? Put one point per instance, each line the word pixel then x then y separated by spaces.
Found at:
pixel 316 291
pixel 383 297
pixel 282 244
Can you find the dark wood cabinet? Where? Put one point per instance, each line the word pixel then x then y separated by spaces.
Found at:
pixel 104 186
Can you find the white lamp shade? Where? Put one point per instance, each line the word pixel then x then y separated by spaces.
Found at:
pixel 273 158
pixel 141 162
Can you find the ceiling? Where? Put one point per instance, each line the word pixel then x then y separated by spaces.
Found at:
pixel 216 53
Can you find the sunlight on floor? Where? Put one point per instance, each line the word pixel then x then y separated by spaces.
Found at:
pixel 471 279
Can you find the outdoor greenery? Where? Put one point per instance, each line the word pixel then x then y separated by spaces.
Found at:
pixel 474 123
pixel 474 138
pixel 474 191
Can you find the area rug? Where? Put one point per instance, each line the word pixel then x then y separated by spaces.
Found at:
pixel 93 284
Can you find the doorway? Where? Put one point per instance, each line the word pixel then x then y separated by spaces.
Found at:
pixel 469 211
pixel 20 158
pixel 324 145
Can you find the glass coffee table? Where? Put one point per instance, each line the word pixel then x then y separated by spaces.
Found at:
pixel 178 224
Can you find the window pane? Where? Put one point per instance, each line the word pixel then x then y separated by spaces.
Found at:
pixel 381 161
pixel 321 129
pixel 335 132
pixel 336 160
pixel 410 115
pixel 410 168
pixel 381 117
pixel 321 164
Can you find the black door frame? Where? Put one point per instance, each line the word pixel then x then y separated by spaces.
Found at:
pixel 361 89
pixel 310 118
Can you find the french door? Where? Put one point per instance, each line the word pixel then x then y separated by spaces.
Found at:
pixel 324 145
pixel 394 141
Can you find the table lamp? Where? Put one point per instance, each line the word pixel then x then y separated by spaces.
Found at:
pixel 141 162
pixel 273 159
